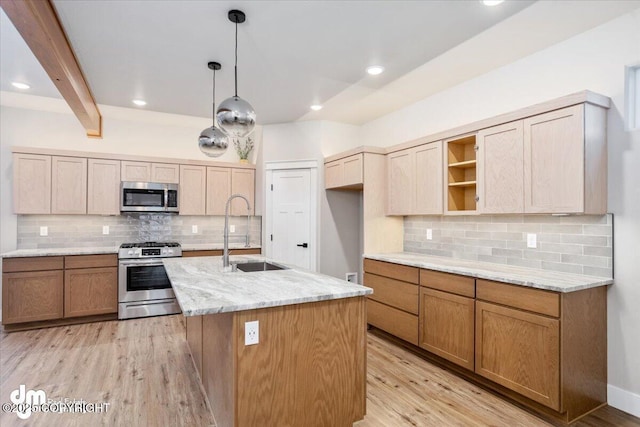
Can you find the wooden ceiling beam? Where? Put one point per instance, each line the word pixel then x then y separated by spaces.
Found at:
pixel 38 24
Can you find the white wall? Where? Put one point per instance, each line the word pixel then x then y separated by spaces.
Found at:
pixel 594 60
pixel 339 213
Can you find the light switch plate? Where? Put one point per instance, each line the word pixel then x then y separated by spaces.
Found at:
pixel 251 333
pixel 194 229
pixel 532 241
pixel 232 228
pixel 429 234
pixel 44 231
pixel 105 229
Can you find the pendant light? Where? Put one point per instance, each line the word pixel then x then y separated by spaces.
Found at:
pixel 236 116
pixel 213 142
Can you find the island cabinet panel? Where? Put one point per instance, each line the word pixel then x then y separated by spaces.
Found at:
pixel 520 351
pixel 31 296
pixel 243 182
pixel 218 189
pixel 103 187
pixel 194 339
pixel 218 252
pixel 500 169
pixel 309 368
pixel 193 183
pixel 68 185
pixel 90 291
pixel 394 271
pixel 31 184
pixel 447 326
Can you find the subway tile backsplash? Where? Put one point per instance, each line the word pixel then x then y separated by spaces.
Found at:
pixel 86 230
pixel 574 244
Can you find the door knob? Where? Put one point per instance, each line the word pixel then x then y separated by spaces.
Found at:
pixel 303 245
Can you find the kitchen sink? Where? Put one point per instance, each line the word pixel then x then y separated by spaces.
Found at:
pixel 249 267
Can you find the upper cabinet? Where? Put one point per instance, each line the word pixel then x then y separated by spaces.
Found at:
pixel 150 172
pixel 414 183
pixel 31 184
pixel 461 180
pixel 243 182
pixel 193 182
pixel 165 173
pixel 103 187
pixel 346 173
pixel 68 185
pixel 218 189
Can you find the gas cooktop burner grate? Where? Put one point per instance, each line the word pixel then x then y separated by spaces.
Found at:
pixel 150 245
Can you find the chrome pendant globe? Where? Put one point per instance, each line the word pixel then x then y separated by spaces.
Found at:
pixel 236 117
pixel 213 142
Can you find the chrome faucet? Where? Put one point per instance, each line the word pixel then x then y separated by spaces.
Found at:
pixel 225 252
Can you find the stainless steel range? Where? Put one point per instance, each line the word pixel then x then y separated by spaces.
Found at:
pixel 143 286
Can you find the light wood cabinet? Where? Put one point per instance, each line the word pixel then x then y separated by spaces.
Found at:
pixel 31 184
pixel 414 183
pixel 565 161
pixel 243 182
pixel 193 184
pixel 218 189
pixel 520 351
pixel 136 171
pixel 32 289
pixel 460 175
pixel 103 187
pixel 194 339
pixel 346 174
pixel 90 285
pixel 68 185
pixel 500 169
pixel 218 252
pixel 165 173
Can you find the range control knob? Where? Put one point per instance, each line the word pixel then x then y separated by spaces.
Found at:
pixel 170 251
pixel 130 252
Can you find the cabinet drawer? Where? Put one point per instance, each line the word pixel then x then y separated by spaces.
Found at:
pixel 395 271
pixel 91 261
pixel 453 283
pixel 536 300
pixel 36 263
pixel 396 322
pixel 392 292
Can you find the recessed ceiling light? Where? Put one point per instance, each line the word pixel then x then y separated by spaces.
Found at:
pixel 374 70
pixel 20 85
pixel 491 2
pixel 139 102
pixel 316 107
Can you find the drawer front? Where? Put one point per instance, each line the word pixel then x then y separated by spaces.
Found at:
pixel 395 271
pixel 213 252
pixel 91 261
pixel 396 322
pixel 535 300
pixel 392 292
pixel 459 285
pixel 37 263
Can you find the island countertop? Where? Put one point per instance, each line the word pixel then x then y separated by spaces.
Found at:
pixel 202 287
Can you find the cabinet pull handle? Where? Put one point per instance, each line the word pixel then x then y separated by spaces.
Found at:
pixel 303 245
pixel 477 198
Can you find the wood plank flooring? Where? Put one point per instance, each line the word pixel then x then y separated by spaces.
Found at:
pixel 142 367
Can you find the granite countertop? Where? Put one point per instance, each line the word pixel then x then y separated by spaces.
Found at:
pixel 202 287
pixel 95 250
pixel 529 277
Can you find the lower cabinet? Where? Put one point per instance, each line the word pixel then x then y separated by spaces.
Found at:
pixel 218 252
pixel 32 296
pixel 90 291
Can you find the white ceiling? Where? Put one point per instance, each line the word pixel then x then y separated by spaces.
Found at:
pixel 291 53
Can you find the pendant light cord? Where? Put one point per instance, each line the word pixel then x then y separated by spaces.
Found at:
pixel 213 115
pixel 236 64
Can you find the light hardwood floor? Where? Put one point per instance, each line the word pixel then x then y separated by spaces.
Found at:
pixel 143 369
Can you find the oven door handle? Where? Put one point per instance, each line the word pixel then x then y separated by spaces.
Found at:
pixel 150 261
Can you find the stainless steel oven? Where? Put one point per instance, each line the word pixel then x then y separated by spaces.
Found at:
pixel 143 286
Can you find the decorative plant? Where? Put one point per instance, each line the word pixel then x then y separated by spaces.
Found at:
pixel 243 148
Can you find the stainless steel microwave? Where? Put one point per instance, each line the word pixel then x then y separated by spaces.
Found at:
pixel 148 197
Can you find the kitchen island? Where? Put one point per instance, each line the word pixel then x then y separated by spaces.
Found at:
pixel 309 366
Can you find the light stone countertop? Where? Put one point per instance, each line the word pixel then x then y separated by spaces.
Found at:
pixel 529 277
pixel 95 250
pixel 202 287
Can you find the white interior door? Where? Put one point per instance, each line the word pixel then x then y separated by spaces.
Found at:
pixel 291 221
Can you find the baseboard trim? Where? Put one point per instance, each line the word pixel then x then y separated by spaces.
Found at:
pixel 623 400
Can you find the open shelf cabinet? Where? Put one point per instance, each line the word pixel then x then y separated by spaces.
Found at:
pixel 461 174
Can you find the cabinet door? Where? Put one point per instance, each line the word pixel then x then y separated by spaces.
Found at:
pixel 520 351
pixel 554 161
pixel 352 170
pixel 500 169
pixel 136 171
pixel 447 326
pixel 90 291
pixel 193 182
pixel 428 181
pixel 218 189
pixel 333 174
pixel 103 187
pixel 31 184
pixel 401 170
pixel 243 182
pixel 68 185
pixel 32 296
pixel 166 173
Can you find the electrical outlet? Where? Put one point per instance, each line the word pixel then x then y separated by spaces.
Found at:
pixel 251 333
pixel 232 228
pixel 44 231
pixel 532 240
pixel 194 229
pixel 105 229
pixel 429 234
pixel 352 277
